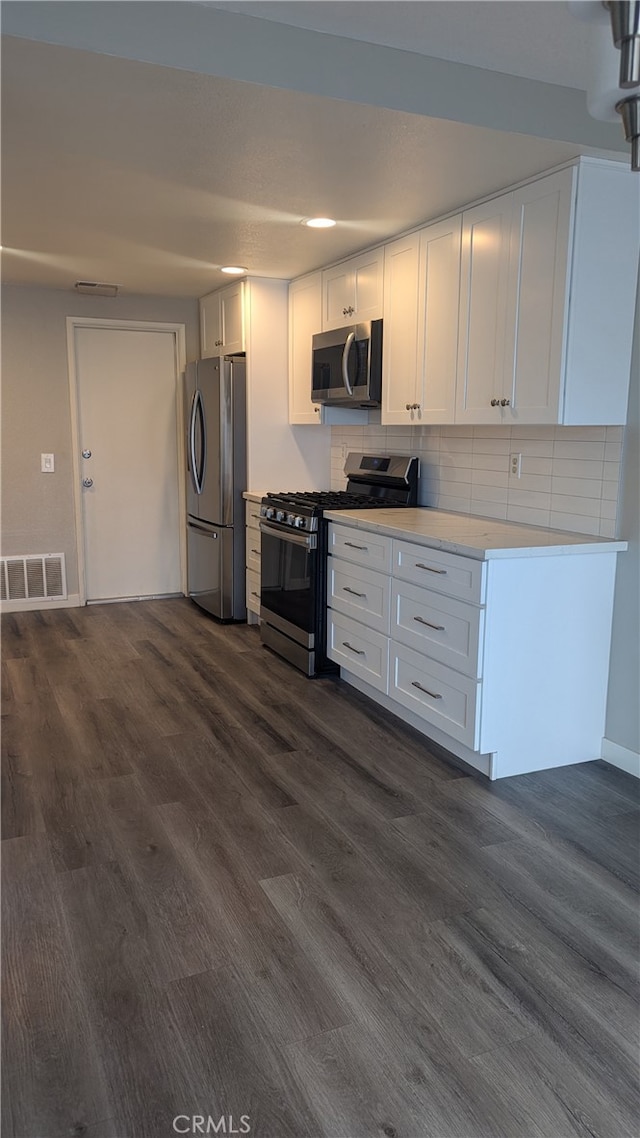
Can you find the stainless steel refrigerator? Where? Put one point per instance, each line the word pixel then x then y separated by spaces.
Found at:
pixel 215 414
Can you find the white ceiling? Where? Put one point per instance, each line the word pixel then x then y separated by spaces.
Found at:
pixel 152 177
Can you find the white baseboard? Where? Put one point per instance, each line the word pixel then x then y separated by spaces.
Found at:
pixel 621 757
pixel 70 602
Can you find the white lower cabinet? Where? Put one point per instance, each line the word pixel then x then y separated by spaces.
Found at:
pixel 504 662
pixel 360 593
pixel 446 629
pixel 252 560
pixel 435 693
pixel 359 649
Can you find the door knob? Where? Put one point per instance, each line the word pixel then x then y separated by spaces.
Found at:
pixel 87 482
pixel 86 454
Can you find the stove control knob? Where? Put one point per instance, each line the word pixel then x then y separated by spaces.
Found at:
pixel 269 512
pixel 298 522
pixel 280 515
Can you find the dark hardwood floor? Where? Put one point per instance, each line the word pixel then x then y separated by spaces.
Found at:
pixel 231 891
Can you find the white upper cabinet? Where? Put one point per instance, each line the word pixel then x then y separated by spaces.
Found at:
pixel 484 272
pixel 400 330
pixel 222 321
pixel 438 303
pixel 547 294
pixel 537 299
pixel 420 332
pixel 353 290
pixel 520 310
pixel 305 317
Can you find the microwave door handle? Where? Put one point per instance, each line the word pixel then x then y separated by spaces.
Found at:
pixel 345 360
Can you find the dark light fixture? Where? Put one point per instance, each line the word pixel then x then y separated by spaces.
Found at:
pixel 625 29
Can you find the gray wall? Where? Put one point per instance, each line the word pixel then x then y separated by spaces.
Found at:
pixel 623 716
pixel 38 509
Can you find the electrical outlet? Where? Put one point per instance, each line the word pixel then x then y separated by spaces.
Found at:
pixel 47 463
pixel 515 465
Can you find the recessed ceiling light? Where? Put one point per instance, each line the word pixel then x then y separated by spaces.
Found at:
pixel 234 270
pixel 319 222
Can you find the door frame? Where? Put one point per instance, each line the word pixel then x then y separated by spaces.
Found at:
pixel 180 358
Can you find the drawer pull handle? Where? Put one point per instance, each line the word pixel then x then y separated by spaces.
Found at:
pixel 256 595
pixel 430 569
pixel 358 651
pixel 346 589
pixel 433 694
pixel 421 620
pixel 353 546
pixel 256 551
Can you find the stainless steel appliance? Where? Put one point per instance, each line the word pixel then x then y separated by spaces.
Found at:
pixel 346 368
pixel 293 603
pixel 215 413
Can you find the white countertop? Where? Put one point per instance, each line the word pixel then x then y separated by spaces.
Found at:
pixel 254 495
pixel 472 536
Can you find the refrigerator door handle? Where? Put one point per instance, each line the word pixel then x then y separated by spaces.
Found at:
pixel 196 475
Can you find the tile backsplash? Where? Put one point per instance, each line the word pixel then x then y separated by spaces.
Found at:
pixel 569 475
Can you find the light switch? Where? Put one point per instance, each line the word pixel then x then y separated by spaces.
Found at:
pixel 47 465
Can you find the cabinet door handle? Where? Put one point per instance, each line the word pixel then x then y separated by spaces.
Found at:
pixel 256 551
pixel 430 569
pixel 495 402
pixel 407 407
pixel 346 589
pixel 505 402
pixel 256 595
pixel 352 545
pixel 358 651
pixel 433 694
pixel 421 620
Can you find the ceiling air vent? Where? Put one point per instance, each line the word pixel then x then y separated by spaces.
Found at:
pixel 93 288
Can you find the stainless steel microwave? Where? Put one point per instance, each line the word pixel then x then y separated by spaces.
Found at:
pixel 347 366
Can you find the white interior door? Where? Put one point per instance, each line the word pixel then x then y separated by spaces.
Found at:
pixel 128 431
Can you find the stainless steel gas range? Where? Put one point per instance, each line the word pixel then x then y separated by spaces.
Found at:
pixel 293 603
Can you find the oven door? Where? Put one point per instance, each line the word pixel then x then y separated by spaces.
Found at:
pixel 288 570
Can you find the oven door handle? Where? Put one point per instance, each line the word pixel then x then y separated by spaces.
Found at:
pixel 345 362
pixel 310 540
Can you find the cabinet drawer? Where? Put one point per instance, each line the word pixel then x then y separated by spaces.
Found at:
pixel 361 593
pixel 369 549
pixel 448 573
pixel 436 693
pixel 253 591
pixel 252 514
pixel 359 649
pixel 253 554
pixel 445 629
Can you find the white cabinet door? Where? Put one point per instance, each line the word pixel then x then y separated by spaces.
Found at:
pixel 210 330
pixel 368 284
pixel 232 319
pixel 222 322
pixel 305 318
pixel 483 309
pixel 537 299
pixel 438 305
pixel 400 330
pixel 353 290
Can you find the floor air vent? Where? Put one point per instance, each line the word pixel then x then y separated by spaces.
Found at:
pixel 33 577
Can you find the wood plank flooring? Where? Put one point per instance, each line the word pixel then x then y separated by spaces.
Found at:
pixel 229 890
